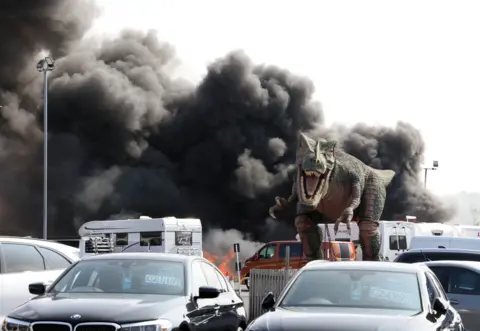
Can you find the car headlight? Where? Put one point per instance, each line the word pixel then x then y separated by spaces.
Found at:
pixel 157 325
pixel 11 324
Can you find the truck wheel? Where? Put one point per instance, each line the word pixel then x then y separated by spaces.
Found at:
pixel 247 285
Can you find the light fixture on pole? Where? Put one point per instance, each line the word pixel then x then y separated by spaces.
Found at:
pixel 434 167
pixel 45 65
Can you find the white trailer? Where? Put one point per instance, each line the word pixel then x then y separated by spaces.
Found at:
pixel 162 235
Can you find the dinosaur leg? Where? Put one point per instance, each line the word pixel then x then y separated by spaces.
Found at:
pixel 369 240
pixel 310 236
pixel 372 204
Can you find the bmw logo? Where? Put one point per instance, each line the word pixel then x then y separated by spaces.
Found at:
pixel 76 317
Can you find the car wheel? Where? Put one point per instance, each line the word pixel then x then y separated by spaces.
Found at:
pixel 247 285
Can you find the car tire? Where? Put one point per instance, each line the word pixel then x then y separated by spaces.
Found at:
pixel 247 285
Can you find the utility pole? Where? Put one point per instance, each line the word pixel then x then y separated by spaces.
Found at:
pixel 433 167
pixel 45 65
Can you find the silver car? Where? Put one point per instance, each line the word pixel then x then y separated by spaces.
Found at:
pixel 461 281
pixel 25 261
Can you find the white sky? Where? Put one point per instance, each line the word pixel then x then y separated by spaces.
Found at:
pixel 371 61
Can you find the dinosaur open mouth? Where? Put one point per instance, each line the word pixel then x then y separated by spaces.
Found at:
pixel 312 182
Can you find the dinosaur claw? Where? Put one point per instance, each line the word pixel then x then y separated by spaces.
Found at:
pixel 272 213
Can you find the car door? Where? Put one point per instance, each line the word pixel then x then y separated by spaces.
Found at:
pixel 203 314
pixel 21 264
pixel 448 321
pixel 463 289
pixel 231 306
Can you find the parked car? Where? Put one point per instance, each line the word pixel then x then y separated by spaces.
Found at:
pixel 438 254
pixel 273 256
pixel 24 261
pixel 360 296
pixel 134 291
pixel 461 281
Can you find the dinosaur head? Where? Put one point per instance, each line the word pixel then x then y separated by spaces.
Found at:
pixel 315 160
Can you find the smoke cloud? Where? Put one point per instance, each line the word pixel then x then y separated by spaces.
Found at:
pixel 127 139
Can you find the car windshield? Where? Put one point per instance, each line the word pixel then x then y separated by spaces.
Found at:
pixel 355 289
pixel 123 276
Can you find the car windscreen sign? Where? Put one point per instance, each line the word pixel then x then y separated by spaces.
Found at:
pixel 162 280
pixel 183 238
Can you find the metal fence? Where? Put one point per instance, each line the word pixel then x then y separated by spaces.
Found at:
pixel 263 281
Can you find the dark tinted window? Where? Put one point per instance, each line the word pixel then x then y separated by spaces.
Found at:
pixel 211 275
pixel 398 242
pixel 442 274
pixel 121 239
pixel 295 250
pixel 464 281
pixel 53 260
pixel 413 257
pixel 20 258
pixel 154 238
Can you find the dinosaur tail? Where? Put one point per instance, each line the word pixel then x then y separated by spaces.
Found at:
pixel 386 176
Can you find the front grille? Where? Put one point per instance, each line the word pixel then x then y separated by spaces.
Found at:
pixel 94 327
pixel 51 327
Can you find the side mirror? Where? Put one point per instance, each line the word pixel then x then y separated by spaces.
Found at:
pixel 208 292
pixel 440 307
pixel 37 288
pixel 268 302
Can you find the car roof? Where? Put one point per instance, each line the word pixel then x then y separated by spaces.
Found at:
pixel 442 250
pixel 143 256
pixel 474 265
pixel 365 265
pixel 36 241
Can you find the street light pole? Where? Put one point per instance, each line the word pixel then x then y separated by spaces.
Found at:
pixel 45 65
pixel 434 167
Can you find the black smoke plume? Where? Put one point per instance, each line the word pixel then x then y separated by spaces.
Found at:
pixel 128 139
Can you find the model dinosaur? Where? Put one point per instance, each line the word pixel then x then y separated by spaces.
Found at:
pixel 332 186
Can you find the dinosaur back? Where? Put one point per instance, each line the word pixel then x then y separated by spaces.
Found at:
pixel 386 175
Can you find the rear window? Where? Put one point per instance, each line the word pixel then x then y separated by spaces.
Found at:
pixel 398 242
pixel 295 250
pixel 414 257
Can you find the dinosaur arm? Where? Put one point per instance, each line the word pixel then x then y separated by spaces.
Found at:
pixel 356 195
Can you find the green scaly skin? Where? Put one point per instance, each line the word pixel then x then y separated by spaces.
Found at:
pixel 331 186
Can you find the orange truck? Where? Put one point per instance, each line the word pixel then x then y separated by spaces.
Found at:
pixel 273 256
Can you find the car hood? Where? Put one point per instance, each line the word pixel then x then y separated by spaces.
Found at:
pixel 329 319
pixel 100 307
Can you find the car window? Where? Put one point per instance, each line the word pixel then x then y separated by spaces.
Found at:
pixel 20 258
pixel 438 287
pixel 198 277
pixel 126 276
pixel 442 274
pixel 267 252
pixel 53 260
pixel 451 256
pixel 431 289
pixel 295 250
pixel 464 281
pixel 221 279
pixel 355 289
pixel 212 278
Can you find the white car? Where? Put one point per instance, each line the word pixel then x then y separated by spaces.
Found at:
pixel 24 261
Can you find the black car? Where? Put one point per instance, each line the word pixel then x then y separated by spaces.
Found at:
pixel 438 254
pixel 360 296
pixel 133 292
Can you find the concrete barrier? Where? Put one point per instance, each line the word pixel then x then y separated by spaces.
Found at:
pixel 263 281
